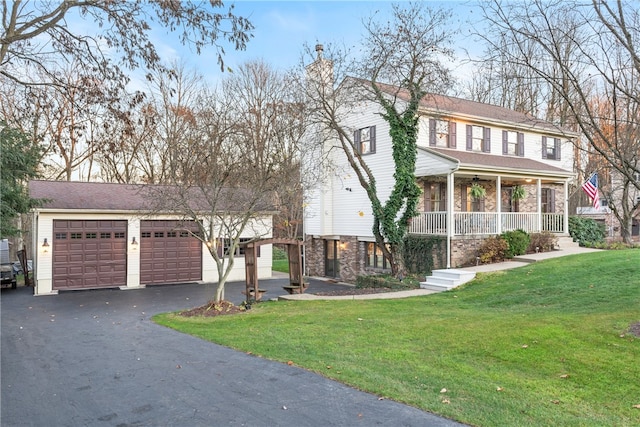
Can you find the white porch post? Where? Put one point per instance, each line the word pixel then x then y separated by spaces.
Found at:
pixel 565 227
pixel 539 202
pixel 499 203
pixel 450 208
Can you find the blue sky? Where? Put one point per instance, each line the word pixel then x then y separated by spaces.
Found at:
pixel 283 27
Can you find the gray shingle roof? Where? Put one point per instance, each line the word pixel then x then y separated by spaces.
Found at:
pixel 452 106
pixel 99 196
pixel 469 159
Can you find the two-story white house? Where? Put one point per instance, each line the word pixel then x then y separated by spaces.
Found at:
pixel 460 143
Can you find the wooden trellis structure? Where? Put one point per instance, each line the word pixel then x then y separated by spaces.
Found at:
pixel 296 274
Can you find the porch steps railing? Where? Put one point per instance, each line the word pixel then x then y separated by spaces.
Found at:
pixel 443 280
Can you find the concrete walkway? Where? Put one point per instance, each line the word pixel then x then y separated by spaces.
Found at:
pixel 518 261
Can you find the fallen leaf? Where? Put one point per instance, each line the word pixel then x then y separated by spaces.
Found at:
pixel 446 401
pixel 636 406
pixel 444 390
pixel 555 402
pixel 564 376
pixel 381 398
pixel 289 363
pixel 499 389
pixel 360 318
pixel 525 346
pixel 328 367
pixel 359 415
pixel 621 335
pixel 178 366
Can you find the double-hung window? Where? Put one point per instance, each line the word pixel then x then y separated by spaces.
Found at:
pixel 550 148
pixel 478 138
pixel 513 143
pixel 364 140
pixel 442 133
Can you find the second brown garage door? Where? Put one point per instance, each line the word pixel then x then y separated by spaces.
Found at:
pixel 168 253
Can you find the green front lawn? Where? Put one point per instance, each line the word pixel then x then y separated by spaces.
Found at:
pixel 544 344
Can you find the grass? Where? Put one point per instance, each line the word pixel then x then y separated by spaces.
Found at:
pixel 281 265
pixel 544 344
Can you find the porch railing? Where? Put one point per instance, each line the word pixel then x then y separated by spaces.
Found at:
pixel 486 223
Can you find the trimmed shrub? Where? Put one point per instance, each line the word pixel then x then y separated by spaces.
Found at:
pixel 493 249
pixel 586 231
pixel 544 241
pixel 518 241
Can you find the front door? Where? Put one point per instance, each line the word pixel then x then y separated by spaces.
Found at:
pixel 331 258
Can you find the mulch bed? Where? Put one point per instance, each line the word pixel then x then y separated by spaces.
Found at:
pixel 211 309
pixel 634 329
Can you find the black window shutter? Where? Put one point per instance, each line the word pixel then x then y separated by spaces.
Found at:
pixel 356 141
pixel 544 147
pixel 520 144
pixel 372 136
pixel 443 197
pixel 487 140
pixel 463 197
pixel 505 142
pixel 469 137
pixel 427 197
pixel 452 135
pixel 552 200
pixel 556 141
pixel 432 132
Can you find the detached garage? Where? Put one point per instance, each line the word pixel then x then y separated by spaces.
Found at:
pixel 99 235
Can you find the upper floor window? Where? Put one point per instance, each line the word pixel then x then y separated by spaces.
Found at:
pixel 478 138
pixel 550 148
pixel 365 140
pixel 513 143
pixel 442 133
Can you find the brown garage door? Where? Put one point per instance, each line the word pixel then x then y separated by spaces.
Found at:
pixel 168 253
pixel 89 254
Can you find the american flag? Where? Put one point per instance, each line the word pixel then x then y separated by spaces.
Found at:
pixel 591 188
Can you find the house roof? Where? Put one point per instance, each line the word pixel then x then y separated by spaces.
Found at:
pixel 480 161
pixel 451 106
pixel 99 196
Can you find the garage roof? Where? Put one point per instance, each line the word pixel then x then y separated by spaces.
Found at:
pixel 136 197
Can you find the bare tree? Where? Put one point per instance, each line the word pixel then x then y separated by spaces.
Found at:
pixel 585 54
pixel 402 61
pixel 36 35
pixel 226 171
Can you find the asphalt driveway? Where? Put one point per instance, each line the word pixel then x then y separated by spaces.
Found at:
pixel 94 358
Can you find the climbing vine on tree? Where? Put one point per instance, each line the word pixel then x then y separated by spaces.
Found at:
pixel 391 220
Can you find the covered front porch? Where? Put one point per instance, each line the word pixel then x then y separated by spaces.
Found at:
pixel 474 196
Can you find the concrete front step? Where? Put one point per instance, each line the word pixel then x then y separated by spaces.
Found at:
pixel 443 280
pixel 566 242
